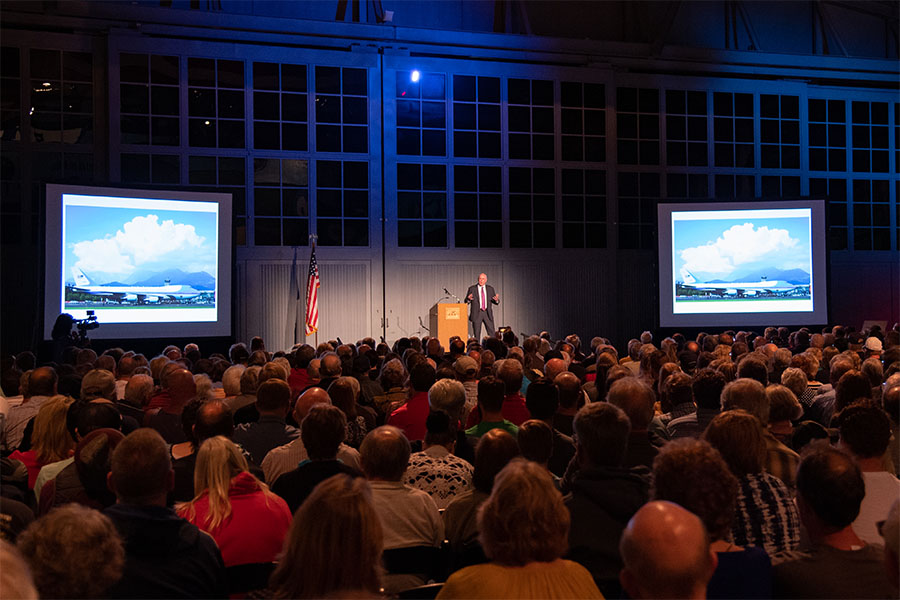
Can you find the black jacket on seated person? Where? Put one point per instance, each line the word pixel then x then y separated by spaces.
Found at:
pixel 295 486
pixel 165 556
pixel 601 503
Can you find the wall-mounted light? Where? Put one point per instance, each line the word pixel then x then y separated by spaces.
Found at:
pixel 414 76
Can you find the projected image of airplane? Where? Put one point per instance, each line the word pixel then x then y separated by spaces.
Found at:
pixel 137 294
pixel 764 287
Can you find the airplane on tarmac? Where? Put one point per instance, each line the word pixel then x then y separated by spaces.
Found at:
pixel 741 289
pixel 147 294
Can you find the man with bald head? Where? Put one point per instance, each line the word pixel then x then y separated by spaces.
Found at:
pixel 181 389
pixel 481 298
pixel 666 553
pixel 285 458
pixel 409 517
pixel 571 397
pixel 554 367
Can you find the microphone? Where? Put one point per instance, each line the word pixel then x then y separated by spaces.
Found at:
pixel 449 293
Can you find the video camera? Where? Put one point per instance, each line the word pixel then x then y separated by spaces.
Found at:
pixel 86 324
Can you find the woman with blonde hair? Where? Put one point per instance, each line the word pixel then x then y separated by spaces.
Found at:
pixel 50 440
pixel 247 521
pixel 524 531
pixel 334 544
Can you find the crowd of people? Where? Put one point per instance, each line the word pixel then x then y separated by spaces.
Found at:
pixel 731 465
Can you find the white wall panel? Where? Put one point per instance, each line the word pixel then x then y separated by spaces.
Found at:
pixel 345 302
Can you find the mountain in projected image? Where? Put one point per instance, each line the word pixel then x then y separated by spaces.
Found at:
pixel 200 280
pixel 793 276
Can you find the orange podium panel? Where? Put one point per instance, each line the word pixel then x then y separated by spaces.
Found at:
pixel 448 320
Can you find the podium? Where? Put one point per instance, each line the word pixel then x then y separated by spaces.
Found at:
pixel 448 320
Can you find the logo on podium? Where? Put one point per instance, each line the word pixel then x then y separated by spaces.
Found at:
pixel 453 313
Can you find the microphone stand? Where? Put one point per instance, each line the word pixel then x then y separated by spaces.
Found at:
pixel 446 291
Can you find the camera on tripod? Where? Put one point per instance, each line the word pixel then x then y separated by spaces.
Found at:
pixel 86 324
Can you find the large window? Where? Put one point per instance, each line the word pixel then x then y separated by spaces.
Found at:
pixel 421 205
pixel 342 113
pixel 870 137
pixel 834 192
pixel 280 202
pixel 733 129
pixel 280 120
pixel 637 111
pixel 583 208
pixel 62 94
pixel 532 208
pixel 530 119
pixel 779 127
pixel 148 99
pixel 478 208
pixel 227 174
pixel 638 196
pixel 583 116
pixel 10 95
pixel 421 114
pixel 476 116
pixel 827 135
pixel 686 137
pixel 342 203
pixel 216 103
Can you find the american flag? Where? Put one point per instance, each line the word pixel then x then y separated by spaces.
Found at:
pixel 312 294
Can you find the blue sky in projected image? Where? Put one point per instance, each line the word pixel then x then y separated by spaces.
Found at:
pixel 730 249
pixel 127 244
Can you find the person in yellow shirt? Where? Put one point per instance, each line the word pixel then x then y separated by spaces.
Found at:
pixel 524 531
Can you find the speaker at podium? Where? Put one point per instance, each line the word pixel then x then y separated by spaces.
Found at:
pixel 446 320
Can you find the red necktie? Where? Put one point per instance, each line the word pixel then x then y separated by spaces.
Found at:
pixel 483 303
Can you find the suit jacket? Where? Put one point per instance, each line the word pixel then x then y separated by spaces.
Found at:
pixel 475 302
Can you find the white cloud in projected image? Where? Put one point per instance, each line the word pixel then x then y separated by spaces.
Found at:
pixel 145 243
pixel 741 246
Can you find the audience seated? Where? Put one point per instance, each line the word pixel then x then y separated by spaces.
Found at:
pixel 41 386
pixel 865 431
pixel 334 544
pixel 742 492
pixel 535 441
pixel 285 458
pixel 765 513
pixel 166 419
pixel 706 387
pixel 15 576
pixel 838 564
pixel 489 413
pixel 73 552
pixel 410 418
pixel 666 553
pixel 636 400
pixel 409 517
pixel 495 449
pixel 542 402
pixel 165 556
pixel 50 441
pixel 524 527
pixel 604 494
pixel 322 432
pixel 750 395
pixel 692 474
pixel 436 470
pixel 247 521
pixel 273 400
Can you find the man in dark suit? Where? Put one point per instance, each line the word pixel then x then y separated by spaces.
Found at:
pixel 481 297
